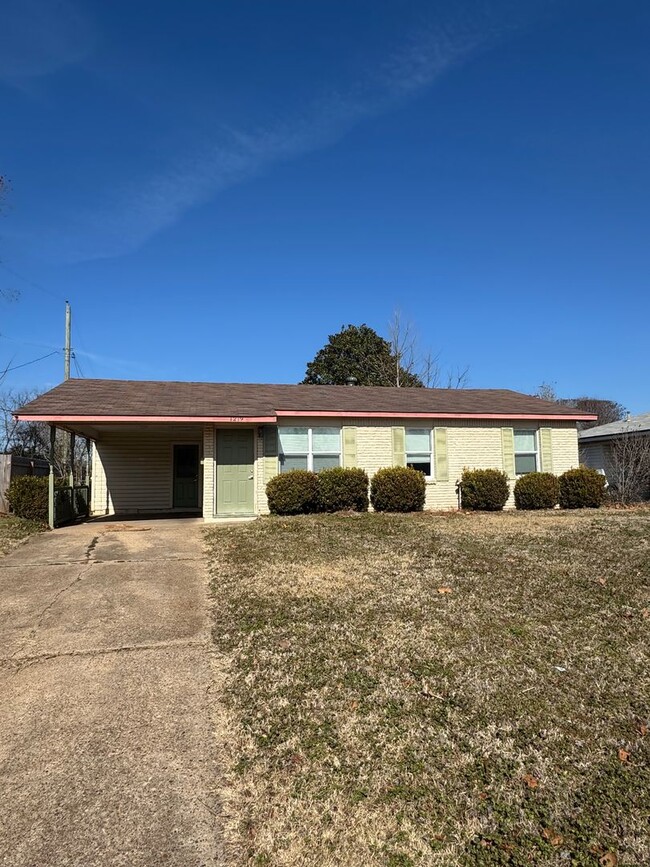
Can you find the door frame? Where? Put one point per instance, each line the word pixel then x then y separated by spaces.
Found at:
pixel 199 445
pixel 243 429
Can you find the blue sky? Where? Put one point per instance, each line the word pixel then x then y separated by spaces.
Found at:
pixel 217 186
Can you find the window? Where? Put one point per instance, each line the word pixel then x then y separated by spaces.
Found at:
pixel 525 452
pixel 418 449
pixel 307 448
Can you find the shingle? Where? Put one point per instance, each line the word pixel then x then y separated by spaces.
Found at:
pixel 98 398
pixel 633 424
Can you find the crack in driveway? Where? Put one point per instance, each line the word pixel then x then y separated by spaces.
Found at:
pixel 55 599
pixel 23 662
pixel 95 560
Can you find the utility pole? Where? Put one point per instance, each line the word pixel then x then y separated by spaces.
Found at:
pixel 66 353
pixel 68 449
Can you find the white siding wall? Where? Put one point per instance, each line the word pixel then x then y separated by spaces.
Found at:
pixel 132 468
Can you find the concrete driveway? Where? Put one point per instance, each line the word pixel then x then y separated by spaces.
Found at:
pixel 106 742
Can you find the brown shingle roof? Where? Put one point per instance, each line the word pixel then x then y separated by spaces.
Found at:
pixel 103 398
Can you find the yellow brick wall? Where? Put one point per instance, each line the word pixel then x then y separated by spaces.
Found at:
pixel 209 498
pixel 469 444
pixel 565 447
pixel 261 504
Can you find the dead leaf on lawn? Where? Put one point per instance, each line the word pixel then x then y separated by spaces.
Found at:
pixel 552 836
pixel 643 730
pixel 602 581
pixel 444 589
pixel 609 859
pixel 623 755
pixel 531 782
pixel 645 612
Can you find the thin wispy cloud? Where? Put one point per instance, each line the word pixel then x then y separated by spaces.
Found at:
pixel 39 37
pixel 109 362
pixel 150 205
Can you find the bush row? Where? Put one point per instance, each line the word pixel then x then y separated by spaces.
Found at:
pixel 580 488
pixel 299 492
pixel 400 489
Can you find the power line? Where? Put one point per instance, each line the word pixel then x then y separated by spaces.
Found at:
pixel 26 342
pixel 27 363
pixel 32 283
pixel 77 366
pixel 84 350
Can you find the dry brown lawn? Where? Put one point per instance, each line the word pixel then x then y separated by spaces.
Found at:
pixel 13 531
pixel 435 689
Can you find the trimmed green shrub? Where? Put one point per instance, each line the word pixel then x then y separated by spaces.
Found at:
pixel 485 490
pixel 28 497
pixel 341 489
pixel 397 489
pixel 293 493
pixel 582 488
pixel 537 491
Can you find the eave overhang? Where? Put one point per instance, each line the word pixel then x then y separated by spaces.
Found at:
pixel 273 419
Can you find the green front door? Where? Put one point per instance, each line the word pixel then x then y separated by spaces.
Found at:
pixel 235 472
pixel 186 476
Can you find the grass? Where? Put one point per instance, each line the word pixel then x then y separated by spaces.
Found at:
pixel 14 530
pixel 435 689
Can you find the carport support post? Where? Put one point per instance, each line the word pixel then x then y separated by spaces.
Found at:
pixel 71 468
pixel 50 498
pixel 87 474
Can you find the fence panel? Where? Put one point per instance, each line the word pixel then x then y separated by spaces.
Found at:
pixel 70 504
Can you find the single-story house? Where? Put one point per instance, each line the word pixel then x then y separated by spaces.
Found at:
pixel 210 448
pixel 616 447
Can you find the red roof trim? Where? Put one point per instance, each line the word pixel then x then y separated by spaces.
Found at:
pixel 99 419
pixel 468 415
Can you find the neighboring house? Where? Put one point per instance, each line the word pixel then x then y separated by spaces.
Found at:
pixel 616 447
pixel 211 448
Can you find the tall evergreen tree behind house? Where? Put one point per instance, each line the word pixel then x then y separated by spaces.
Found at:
pixel 358 351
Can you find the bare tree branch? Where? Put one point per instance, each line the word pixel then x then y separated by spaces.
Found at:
pixel 410 361
pixel 628 469
pixel 458 378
